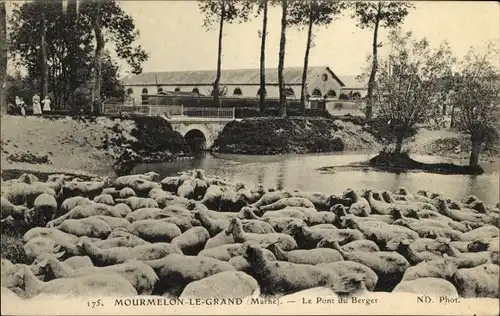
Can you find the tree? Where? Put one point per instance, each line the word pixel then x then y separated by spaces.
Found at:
pixel 262 91
pixel 410 83
pixel 96 70
pixel 70 42
pixel 220 11
pixel 310 13
pixel 373 15
pixel 281 61
pixel 477 97
pixel 3 58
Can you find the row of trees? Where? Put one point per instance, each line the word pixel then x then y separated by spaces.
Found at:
pixel 302 14
pixel 66 48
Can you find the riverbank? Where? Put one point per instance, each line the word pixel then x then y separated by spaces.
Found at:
pixel 271 136
pixel 85 146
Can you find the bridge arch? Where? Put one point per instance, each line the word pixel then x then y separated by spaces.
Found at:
pixel 197 136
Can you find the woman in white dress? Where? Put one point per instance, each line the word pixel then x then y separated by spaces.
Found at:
pixel 46 104
pixel 37 109
pixel 20 104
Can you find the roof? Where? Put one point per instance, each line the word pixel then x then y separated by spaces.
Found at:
pixel 292 76
pixel 351 82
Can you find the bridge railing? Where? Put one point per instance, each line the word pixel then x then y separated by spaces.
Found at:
pixel 170 111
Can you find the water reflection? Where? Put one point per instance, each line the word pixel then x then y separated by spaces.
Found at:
pixel 301 172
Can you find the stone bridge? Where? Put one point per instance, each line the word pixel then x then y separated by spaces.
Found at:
pixel 200 132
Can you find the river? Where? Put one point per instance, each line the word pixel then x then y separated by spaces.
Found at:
pixel 301 172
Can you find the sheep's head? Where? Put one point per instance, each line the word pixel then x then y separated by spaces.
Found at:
pixel 16 276
pixel 238 186
pixel 295 227
pixel 253 252
pixel 339 210
pixel 478 245
pixel 42 264
pixel 422 193
pixel 84 242
pixel 152 176
pixel 349 283
pixel 413 214
pixel 479 206
pixel 470 199
pixel 442 205
pixel 349 194
pixel 401 222
pixel 348 222
pixel 403 191
pixel 234 223
pixel 387 196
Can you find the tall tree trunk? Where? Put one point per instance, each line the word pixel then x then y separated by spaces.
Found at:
pixel 281 62
pixel 399 142
pixel 371 81
pixel 97 72
pixel 306 65
pixel 262 96
pixel 475 150
pixel 43 54
pixel 219 55
pixel 3 58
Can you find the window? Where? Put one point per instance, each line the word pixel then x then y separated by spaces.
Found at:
pixel 195 90
pixel 289 92
pixel 145 91
pixel 316 93
pixel 177 89
pixel 237 91
pixel 331 93
pixel 265 92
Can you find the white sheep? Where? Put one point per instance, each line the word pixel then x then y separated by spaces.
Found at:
pixel 139 274
pixel 91 285
pixel 104 199
pixel 356 245
pixel 223 252
pixel 90 226
pixel 113 222
pixel 176 271
pixel 435 287
pixel 345 268
pixel 440 268
pixel 155 230
pixel 192 241
pixel 83 211
pixel 79 262
pixel 9 209
pixel 115 255
pixel 126 193
pixel 146 213
pixel 37 246
pixel 227 284
pixel 124 241
pixel 70 203
pixel 480 281
pixel 136 203
pixel 308 238
pixel 312 256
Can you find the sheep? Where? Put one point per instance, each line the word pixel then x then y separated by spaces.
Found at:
pixel 358 203
pixel 115 255
pixel 183 223
pixel 124 241
pixel 170 184
pixel 406 250
pixel 37 246
pixel 136 203
pixel 356 245
pixel 186 189
pixel 467 259
pixel 227 284
pixel 319 199
pixel 8 209
pixel 419 202
pixel 425 231
pixel 79 262
pixel 91 285
pixel 286 202
pixel 389 266
pixel 480 281
pixel 146 213
pixel 113 222
pixel 278 277
pixel 223 252
pixel 140 186
pixel 380 234
pixel 154 230
pixel 176 271
pixel 104 199
pixel 488 231
pixel 88 189
pixel 192 241
pixel 440 268
pixel 126 192
pixel 91 227
pixel 460 215
pixel 271 197
pixel 313 256
pixel 286 212
pixel 279 223
pixel 213 226
pixel 483 244
pixel 139 274
pixel 124 181
pixel 348 268
pixel 427 286
pixel 15 193
pixel 212 197
pixel 52 233
pixel 308 238
pixel 83 211
pixel 5 268
pixel 70 203
pixel 231 200
pixel 28 178
pixel 241 264
pixel 286 242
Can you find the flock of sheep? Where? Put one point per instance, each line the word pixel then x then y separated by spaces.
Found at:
pixel 193 235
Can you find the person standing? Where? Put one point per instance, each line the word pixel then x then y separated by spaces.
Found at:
pixel 37 109
pixel 21 105
pixel 46 104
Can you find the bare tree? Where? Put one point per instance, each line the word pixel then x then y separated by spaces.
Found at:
pixel 281 61
pixel 409 88
pixel 477 98
pixel 262 91
pixel 373 15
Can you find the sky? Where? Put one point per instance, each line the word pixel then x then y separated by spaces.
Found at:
pixel 172 33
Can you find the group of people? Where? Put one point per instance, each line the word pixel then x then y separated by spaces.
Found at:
pixel 37 108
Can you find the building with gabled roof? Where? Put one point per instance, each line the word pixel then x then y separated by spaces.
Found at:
pixel 321 82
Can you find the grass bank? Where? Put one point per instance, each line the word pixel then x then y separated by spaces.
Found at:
pixel 274 135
